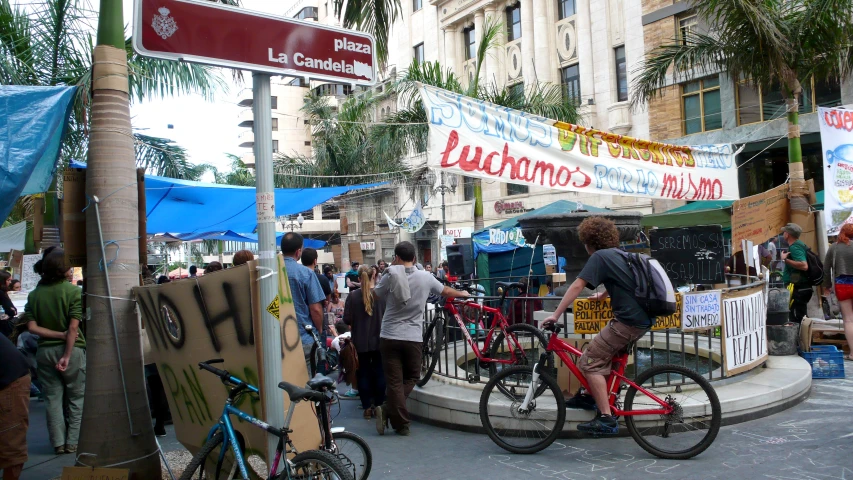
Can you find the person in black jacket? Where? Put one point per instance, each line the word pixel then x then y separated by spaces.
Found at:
pixel 14 409
pixel 8 307
pixel 363 312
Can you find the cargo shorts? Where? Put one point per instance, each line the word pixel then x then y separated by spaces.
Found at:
pixel 597 359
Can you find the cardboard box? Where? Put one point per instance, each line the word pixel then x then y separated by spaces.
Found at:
pixel 806 334
pixel 565 379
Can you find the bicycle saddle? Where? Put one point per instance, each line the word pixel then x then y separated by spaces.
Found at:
pixel 320 382
pixel 508 285
pixel 297 393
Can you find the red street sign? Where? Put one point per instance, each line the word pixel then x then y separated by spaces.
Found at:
pixel 215 34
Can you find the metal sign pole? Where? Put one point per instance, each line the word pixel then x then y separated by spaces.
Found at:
pixel 265 196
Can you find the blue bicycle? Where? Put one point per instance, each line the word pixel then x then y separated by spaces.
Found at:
pixel 311 464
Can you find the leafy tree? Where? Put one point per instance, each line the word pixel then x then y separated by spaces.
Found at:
pixel 773 44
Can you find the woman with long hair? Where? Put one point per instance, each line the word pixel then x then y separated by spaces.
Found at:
pixel 838 268
pixel 363 312
pixel 8 307
pixel 335 307
pixel 54 312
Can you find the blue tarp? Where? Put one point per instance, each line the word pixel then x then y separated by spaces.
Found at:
pixel 189 207
pixel 32 123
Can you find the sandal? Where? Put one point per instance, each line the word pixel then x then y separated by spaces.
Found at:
pixel 368 414
pixel 849 358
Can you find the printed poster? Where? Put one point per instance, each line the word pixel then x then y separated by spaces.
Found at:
pixel 836 137
pixel 478 139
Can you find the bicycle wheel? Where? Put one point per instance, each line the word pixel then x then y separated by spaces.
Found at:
pixel 512 429
pixel 317 465
pixel 205 464
pixel 354 454
pixel 433 339
pixel 532 342
pixel 686 432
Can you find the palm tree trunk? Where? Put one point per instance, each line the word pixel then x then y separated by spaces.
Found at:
pixel 795 149
pixel 478 204
pixel 111 176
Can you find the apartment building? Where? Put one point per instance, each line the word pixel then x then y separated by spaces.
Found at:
pixel 720 109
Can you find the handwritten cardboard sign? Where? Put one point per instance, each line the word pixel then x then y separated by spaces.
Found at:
pixel 592 315
pixel 29 278
pixel 218 316
pixel 759 217
pixel 701 311
pixel 744 329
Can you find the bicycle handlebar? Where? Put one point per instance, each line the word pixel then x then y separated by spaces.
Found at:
pixel 227 377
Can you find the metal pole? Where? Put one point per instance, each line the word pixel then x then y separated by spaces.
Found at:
pixel 270 327
pixel 443 219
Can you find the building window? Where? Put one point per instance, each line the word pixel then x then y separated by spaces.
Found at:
pixel 274 124
pixel 419 53
pixel 755 104
pixel 621 75
pixel 417 5
pixel 469 35
pixel 700 103
pixel 513 189
pixel 307 13
pixel 571 80
pixel 687 27
pixel 566 8
pixel 513 23
pixel 274 103
pixel 275 146
pixel 517 90
pixel 307 143
pixel 468 188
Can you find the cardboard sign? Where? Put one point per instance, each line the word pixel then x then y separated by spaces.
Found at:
pixel 218 316
pixel 744 329
pixel 97 473
pixel 592 315
pixel 690 254
pixel 759 217
pixel 29 278
pixel 701 311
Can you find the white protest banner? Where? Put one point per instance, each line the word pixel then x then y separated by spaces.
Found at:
pixel 29 278
pixel 478 139
pixel 701 311
pixel 744 329
pixel 836 138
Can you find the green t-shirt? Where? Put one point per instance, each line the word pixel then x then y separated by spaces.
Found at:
pixel 53 307
pixel 790 274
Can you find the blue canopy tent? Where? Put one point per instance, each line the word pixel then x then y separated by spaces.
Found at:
pixel 505 253
pixel 32 124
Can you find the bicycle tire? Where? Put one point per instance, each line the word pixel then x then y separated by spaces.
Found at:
pixel 431 348
pixel 642 430
pixel 360 467
pixel 530 357
pixel 199 460
pixel 553 411
pixel 330 467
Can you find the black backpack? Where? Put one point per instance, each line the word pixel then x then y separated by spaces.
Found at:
pixel 814 274
pixel 654 290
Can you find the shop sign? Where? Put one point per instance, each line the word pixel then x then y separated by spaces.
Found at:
pixel 368 245
pixel 510 208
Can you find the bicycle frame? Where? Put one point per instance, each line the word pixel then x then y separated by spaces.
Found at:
pixel 614 380
pixel 231 441
pixel 498 322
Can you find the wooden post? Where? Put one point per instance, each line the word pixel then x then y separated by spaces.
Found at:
pixel 143 220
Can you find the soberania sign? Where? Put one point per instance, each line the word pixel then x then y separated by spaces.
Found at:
pixel 216 34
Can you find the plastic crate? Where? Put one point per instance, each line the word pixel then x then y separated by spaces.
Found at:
pixel 826 361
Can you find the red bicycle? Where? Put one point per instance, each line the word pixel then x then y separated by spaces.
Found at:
pixel 671 411
pixel 502 345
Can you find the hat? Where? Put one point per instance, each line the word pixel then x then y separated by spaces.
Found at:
pixel 793 230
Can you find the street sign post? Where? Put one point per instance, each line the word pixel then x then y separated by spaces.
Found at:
pixel 215 34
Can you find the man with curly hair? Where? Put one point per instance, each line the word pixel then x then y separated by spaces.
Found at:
pixel 607 265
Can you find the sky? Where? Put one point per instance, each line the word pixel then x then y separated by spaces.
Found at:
pixel 208 130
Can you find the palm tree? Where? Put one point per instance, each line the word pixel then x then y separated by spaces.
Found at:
pixel 373 16
pixel 777 44
pixel 239 175
pixel 405 132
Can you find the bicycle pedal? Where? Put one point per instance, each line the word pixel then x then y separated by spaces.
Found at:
pixel 473 378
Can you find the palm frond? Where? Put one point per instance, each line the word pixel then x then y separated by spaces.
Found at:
pixel 154 78
pixel 493 31
pixel 373 16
